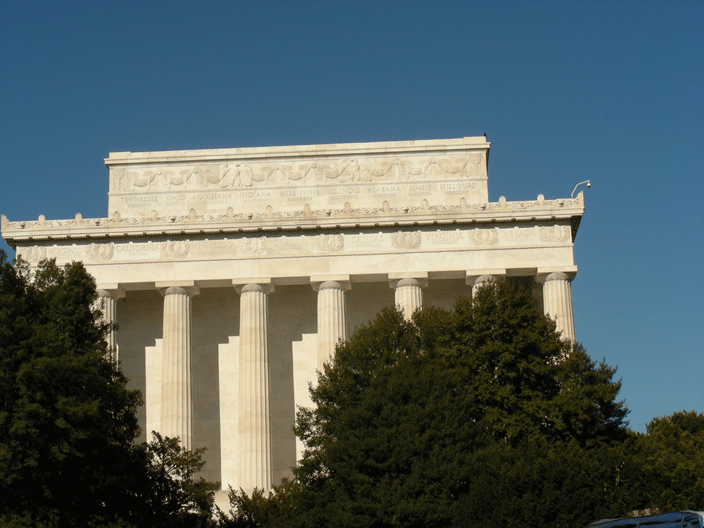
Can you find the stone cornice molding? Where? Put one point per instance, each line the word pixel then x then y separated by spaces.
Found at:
pixel 299 151
pixel 304 219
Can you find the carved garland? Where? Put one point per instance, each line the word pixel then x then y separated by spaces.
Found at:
pixel 247 175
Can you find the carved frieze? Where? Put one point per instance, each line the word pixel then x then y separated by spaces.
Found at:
pixel 253 174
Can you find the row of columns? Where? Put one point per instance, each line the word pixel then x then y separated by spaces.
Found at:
pixel 254 436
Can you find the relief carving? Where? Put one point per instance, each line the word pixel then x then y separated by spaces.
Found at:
pixel 483 237
pixel 346 170
pixel 99 252
pixel 329 243
pixel 175 249
pixel 253 246
pixel 555 233
pixel 33 254
pixel 406 240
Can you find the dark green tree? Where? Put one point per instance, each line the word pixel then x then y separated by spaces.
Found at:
pixel 670 471
pixel 67 421
pixel 175 497
pixel 478 417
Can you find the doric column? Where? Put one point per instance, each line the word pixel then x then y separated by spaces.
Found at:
pixel 332 320
pixel 557 302
pixel 109 297
pixel 176 383
pixel 254 434
pixel 408 294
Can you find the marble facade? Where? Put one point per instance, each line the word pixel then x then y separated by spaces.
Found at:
pixel 232 273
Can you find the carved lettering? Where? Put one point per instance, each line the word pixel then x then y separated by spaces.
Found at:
pixel 518 235
pixel 290 242
pixel 445 237
pixel 368 240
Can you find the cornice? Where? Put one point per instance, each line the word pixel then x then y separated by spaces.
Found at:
pixel 303 219
pixel 300 151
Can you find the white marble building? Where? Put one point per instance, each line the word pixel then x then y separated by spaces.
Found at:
pixel 232 273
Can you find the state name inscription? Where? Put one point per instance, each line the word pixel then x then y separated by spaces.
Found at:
pixel 403 193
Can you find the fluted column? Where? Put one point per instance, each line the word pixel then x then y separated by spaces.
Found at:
pixel 109 298
pixel 176 383
pixel 332 319
pixel 254 434
pixel 408 295
pixel 557 302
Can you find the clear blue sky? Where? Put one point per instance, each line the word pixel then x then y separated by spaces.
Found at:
pixel 565 91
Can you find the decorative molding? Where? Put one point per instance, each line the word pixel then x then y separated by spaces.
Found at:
pixel 106 226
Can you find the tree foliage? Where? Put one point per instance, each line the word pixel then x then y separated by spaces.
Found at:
pixel 175 497
pixel 481 416
pixel 68 421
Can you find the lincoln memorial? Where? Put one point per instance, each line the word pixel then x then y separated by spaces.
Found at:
pixel 233 273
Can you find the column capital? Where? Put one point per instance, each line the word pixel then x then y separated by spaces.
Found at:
pixel 325 282
pixel 472 276
pixel 420 282
pixel 177 287
pixel 114 291
pixel 548 275
pixel 254 285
